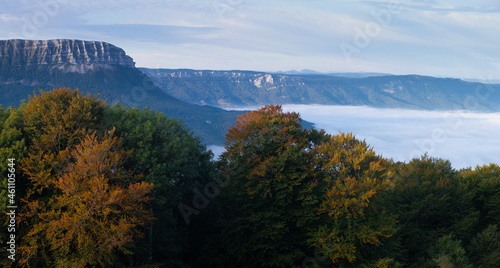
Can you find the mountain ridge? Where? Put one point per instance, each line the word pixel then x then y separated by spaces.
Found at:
pixel 231 89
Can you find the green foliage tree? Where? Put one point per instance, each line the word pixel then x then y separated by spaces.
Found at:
pixel 269 200
pixel 430 203
pixel 12 146
pixel 448 253
pixel 484 185
pixel 167 154
pixel 485 247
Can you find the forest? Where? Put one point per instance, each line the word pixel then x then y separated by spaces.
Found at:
pixel 109 186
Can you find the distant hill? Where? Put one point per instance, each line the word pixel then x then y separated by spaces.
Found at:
pixel 352 75
pixel 97 68
pixel 248 88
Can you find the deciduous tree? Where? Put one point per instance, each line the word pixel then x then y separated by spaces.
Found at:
pixel 94 212
pixel 168 155
pixel 355 221
pixel 268 203
pixel 430 202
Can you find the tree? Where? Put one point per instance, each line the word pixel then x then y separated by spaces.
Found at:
pixel 268 205
pixel 12 146
pixel 53 125
pixel 355 177
pixel 485 247
pixel 430 202
pixel 448 253
pixel 168 155
pixel 54 120
pixel 483 184
pixel 95 211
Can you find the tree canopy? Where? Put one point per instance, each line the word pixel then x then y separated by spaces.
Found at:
pixel 111 186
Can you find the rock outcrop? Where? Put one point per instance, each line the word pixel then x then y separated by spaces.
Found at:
pixel 83 55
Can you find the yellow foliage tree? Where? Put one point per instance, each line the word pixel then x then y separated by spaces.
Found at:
pixel 355 177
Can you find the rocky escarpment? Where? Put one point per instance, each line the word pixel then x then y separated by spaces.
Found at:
pixel 70 55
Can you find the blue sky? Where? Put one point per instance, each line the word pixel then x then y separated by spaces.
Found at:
pixel 438 38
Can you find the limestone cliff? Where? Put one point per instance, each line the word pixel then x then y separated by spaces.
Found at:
pixel 64 54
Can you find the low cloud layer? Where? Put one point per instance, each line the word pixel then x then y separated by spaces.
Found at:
pixel 466 139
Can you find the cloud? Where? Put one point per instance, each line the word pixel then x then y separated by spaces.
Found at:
pixel 154 33
pixel 8 18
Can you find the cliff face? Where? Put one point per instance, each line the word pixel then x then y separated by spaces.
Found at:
pixel 70 55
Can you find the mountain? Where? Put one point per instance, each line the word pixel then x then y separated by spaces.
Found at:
pixel 352 75
pixel 248 88
pixel 97 68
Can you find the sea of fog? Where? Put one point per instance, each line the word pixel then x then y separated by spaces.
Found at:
pixel 465 138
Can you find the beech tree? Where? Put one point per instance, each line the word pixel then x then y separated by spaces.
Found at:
pixel 430 202
pixel 95 212
pixel 53 121
pixel 168 155
pixel 67 205
pixel 60 118
pixel 356 221
pixel 483 185
pixel 271 191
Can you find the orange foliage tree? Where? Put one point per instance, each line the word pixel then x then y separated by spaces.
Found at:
pixel 96 210
pixel 80 205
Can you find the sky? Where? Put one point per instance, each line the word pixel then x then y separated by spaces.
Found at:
pixel 439 38
pixel 466 139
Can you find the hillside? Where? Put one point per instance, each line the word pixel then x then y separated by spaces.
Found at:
pixel 97 68
pixel 247 88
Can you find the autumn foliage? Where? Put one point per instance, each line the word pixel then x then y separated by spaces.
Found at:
pixel 95 210
pixel 101 186
pixel 297 189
